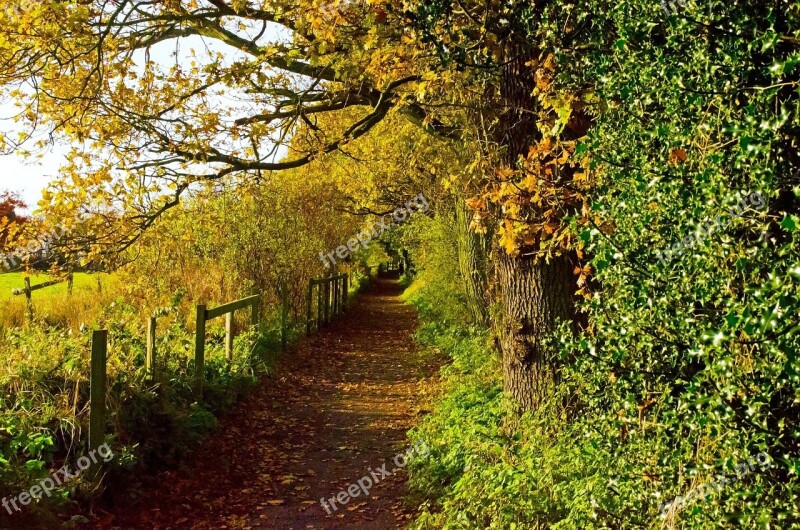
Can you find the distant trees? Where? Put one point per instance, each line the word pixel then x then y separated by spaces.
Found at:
pixel 10 204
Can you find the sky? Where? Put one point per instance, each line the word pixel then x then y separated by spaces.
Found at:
pixel 30 177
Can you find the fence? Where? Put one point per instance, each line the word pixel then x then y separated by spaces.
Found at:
pixel 331 300
pixel 390 267
pixel 203 316
pixel 29 289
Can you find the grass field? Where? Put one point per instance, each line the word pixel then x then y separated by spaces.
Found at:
pixel 53 304
pixel 15 280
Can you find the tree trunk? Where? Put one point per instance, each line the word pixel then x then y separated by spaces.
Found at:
pixel 406 264
pixel 473 263
pixel 535 295
pixel 535 298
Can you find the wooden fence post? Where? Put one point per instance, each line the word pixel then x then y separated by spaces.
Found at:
pixel 70 280
pixel 327 300
pixel 200 350
pixel 346 289
pixel 319 306
pixel 335 295
pixel 255 315
pixel 150 361
pixel 29 299
pixel 324 299
pixel 331 294
pixel 332 304
pixel 309 297
pixel 97 389
pixel 229 336
pixel 341 294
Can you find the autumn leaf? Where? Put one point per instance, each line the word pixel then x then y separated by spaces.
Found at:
pixel 677 156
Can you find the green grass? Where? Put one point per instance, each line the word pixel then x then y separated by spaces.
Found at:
pixel 15 280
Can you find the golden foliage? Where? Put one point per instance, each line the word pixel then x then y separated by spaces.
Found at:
pixel 534 200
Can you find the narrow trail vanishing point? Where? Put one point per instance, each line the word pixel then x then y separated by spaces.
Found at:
pixel 339 403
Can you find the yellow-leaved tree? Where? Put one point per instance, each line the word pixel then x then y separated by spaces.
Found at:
pixel 158 97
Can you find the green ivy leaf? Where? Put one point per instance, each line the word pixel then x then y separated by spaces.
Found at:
pixel 790 223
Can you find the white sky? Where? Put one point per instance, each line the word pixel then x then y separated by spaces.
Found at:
pixel 30 177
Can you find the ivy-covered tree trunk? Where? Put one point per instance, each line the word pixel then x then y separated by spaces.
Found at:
pixel 473 263
pixel 535 295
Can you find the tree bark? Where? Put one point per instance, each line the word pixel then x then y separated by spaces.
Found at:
pixel 473 264
pixel 406 265
pixel 535 295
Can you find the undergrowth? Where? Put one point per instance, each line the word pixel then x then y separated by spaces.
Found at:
pixel 572 464
pixel 153 424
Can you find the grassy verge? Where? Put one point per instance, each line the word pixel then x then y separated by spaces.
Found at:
pixel 44 392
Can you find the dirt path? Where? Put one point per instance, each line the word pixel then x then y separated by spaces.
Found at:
pixel 340 404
